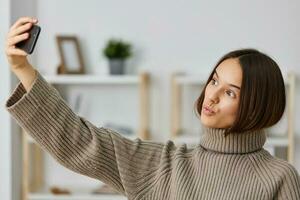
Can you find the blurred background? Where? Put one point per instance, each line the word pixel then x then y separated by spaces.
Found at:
pixel 174 46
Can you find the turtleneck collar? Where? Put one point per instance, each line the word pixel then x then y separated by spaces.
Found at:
pixel 214 139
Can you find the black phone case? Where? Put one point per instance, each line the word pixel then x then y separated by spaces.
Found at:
pixel 29 44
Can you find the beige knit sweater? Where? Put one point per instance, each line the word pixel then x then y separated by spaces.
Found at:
pixel 232 167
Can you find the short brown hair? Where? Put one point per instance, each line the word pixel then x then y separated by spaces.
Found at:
pixel 262 98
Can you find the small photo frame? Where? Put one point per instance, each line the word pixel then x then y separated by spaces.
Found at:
pixel 71 61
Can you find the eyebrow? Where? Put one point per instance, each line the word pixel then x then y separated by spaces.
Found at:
pixel 229 83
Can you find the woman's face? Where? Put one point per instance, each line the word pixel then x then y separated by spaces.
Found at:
pixel 222 95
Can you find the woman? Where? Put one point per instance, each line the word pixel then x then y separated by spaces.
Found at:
pixel 244 94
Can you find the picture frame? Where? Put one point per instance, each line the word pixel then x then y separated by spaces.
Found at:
pixel 71 60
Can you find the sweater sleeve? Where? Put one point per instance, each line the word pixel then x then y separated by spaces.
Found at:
pixel 97 152
pixel 290 185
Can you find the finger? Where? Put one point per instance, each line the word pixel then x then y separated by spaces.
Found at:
pixel 20 29
pixel 14 40
pixel 22 21
pixel 15 52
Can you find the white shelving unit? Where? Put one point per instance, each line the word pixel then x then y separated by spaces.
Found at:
pixel 93 79
pixel 179 135
pixel 33 184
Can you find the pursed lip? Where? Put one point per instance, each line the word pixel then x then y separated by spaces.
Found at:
pixel 209 109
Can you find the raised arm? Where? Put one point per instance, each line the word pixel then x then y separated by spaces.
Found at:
pixel 127 165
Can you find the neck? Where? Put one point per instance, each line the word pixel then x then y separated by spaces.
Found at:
pixel 246 142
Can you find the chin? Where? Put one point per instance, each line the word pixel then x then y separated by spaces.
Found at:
pixel 208 122
pixel 211 123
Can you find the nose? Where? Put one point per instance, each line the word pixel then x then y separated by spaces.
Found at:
pixel 213 97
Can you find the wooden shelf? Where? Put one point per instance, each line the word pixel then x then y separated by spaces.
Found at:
pixel 93 79
pixel 193 139
pixel 190 80
pixel 277 141
pixel 182 79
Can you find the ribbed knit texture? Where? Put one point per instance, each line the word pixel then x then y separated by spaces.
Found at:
pixel 231 167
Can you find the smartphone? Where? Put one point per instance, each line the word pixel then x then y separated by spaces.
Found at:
pixel 29 44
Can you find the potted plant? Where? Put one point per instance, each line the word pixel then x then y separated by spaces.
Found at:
pixel 117 51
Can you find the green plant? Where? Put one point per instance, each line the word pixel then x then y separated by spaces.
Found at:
pixel 117 49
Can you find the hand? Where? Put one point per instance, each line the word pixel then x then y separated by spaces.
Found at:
pixel 18 32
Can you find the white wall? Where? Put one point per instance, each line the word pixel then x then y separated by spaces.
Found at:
pixel 170 35
pixel 10 143
pixel 5 141
pixel 19 9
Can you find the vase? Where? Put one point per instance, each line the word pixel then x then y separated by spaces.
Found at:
pixel 116 66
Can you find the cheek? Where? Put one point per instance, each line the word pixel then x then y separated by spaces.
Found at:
pixel 229 108
pixel 207 91
pixel 228 112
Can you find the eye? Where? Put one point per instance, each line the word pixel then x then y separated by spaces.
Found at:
pixel 214 81
pixel 230 93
